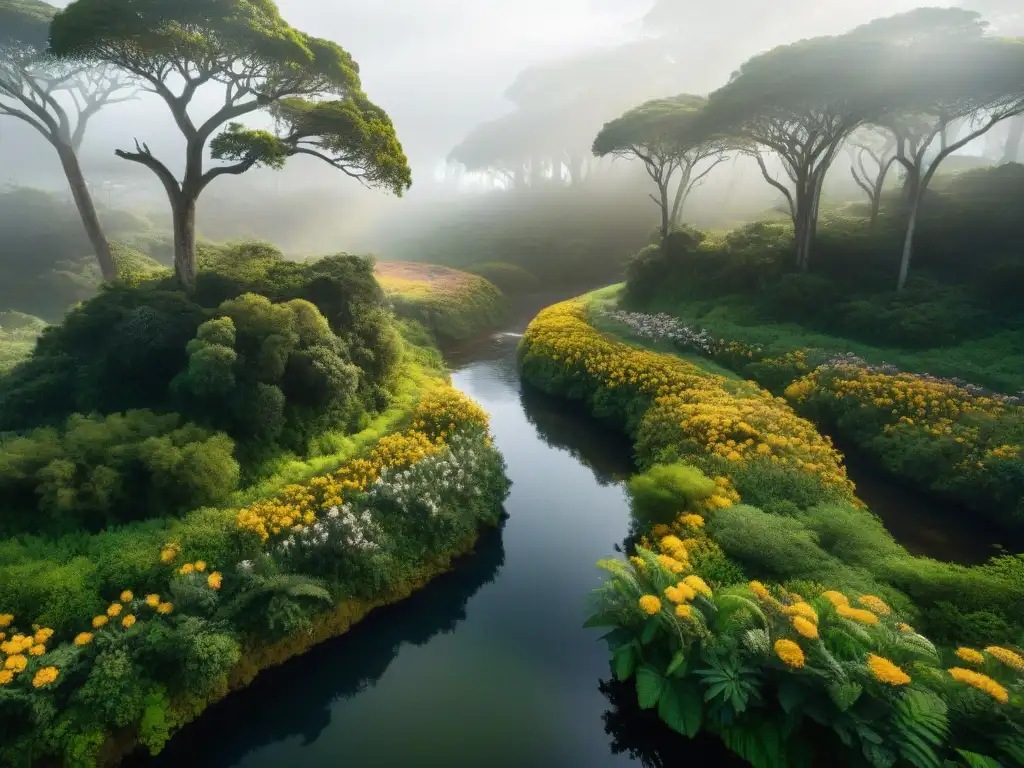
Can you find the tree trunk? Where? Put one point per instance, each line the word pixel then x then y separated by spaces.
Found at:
pixel 1011 150
pixel 682 192
pixel 87 211
pixel 575 170
pixel 908 245
pixel 665 223
pixel 184 212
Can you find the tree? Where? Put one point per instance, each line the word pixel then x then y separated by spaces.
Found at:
pixel 665 135
pixel 975 83
pixel 57 99
pixel 801 102
pixel 309 86
pixel 872 153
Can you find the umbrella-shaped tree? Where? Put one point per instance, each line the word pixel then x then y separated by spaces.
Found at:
pixel 666 135
pixel 310 86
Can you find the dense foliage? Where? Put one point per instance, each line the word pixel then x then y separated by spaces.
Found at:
pixel 263 359
pixel 800 519
pixel 737 486
pixel 136 630
pixel 453 305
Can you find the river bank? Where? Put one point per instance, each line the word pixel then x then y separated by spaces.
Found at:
pixel 799 525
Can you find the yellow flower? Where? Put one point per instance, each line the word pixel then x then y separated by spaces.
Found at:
pixel 1007 657
pixel 982 682
pixel 836 598
pixel 970 655
pixel 43 635
pixel 885 671
pixel 671 564
pixel 168 553
pixel 683 611
pixel 114 609
pixel 213 581
pixel 83 638
pixel 16 663
pixel 801 609
pixel 165 608
pixel 760 590
pixel 6 676
pixel 875 605
pixel 186 569
pixel 45 676
pixel 857 614
pixel 904 627
pixel 698 585
pixel 200 565
pixel 638 562
pixel 790 653
pixel 6 619
pixel 692 521
pixel 650 604
pixel 152 600
pixel 37 650
pixel 128 621
pixel 127 596
pixel 805 627
pixel 99 621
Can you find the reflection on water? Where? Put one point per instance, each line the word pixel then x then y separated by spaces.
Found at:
pixel 641 734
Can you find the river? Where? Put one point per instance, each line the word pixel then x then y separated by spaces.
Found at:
pixel 489 664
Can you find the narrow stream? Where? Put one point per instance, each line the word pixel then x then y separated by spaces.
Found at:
pixel 488 665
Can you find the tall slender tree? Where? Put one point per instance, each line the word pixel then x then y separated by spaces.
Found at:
pixel 976 83
pixel 57 99
pixel 309 86
pixel 872 154
pixel 666 136
pixel 800 102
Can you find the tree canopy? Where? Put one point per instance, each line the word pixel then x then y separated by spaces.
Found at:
pixel 310 86
pixel 667 135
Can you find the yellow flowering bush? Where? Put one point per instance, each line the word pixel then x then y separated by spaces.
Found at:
pixel 442 411
pixel 816 659
pixel 934 433
pixel 716 423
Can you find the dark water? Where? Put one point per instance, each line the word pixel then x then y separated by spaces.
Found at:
pixel 488 665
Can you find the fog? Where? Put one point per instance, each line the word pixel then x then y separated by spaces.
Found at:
pixel 439 69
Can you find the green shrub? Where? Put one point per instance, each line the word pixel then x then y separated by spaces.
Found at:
pixel 100 471
pixel 511 280
pixel 659 494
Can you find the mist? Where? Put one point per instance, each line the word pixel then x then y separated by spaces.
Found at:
pixel 440 70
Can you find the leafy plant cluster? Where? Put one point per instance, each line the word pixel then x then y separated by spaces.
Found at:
pixel 952 439
pixel 265 358
pixel 18 334
pixel 210 602
pixel 784 677
pixel 799 519
pixel 949 301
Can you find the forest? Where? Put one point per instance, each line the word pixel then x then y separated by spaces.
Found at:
pixel 739 322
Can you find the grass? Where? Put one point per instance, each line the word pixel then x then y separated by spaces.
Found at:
pixel 452 304
pixel 993 361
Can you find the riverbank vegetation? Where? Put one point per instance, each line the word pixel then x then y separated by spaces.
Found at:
pixel 452 304
pixel 201 485
pixel 727 463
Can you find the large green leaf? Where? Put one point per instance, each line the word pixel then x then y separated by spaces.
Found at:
pixel 974 760
pixel 681 707
pixel 763 745
pixel 624 661
pixel 649 686
pixel 650 630
pixel 792 696
pixel 678 661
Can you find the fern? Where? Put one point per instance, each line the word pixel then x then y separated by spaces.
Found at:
pixel 919 724
pixel 757 641
pixel 916 645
